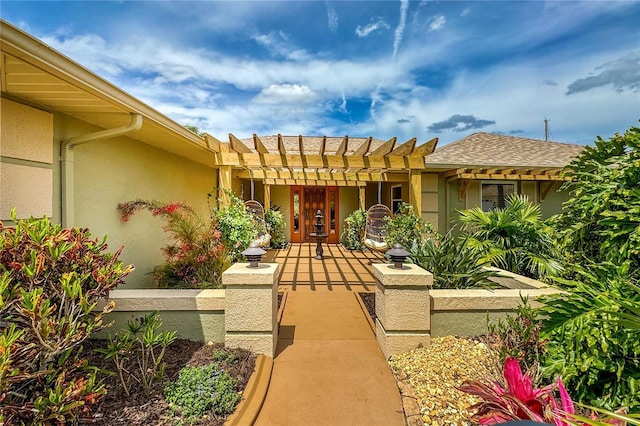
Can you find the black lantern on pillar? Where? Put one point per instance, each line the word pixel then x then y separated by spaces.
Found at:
pixel 253 254
pixel 397 255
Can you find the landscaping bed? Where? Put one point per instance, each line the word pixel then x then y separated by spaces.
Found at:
pixel 429 377
pixel 140 408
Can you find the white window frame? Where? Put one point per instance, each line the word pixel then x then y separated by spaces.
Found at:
pixel 497 182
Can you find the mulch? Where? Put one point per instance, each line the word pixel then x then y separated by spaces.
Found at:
pixel 140 408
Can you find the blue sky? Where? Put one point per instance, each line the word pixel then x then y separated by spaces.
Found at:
pixel 364 68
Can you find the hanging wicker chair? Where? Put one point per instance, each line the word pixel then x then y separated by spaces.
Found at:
pixel 374 235
pixel 257 211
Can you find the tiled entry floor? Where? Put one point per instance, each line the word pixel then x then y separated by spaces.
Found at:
pixel 340 269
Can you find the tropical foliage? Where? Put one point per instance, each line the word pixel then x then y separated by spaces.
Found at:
pixel 453 263
pixel 276 227
pixel 236 225
pixel 196 256
pixel 514 238
pixel 50 282
pixel 137 352
pixel 520 400
pixel 601 219
pixel 591 343
pixel 405 227
pixel 352 235
pixel 518 337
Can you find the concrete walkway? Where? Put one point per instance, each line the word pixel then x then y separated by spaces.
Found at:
pixel 328 369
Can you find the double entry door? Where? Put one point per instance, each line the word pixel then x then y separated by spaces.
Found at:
pixel 305 203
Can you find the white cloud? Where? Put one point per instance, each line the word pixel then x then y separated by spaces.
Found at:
pixel 380 24
pixel 437 22
pixel 285 93
pixel 397 39
pixel 465 11
pixel 332 17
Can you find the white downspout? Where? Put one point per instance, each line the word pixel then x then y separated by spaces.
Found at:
pixel 66 159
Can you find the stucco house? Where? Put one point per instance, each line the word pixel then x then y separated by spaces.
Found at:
pixel 73 146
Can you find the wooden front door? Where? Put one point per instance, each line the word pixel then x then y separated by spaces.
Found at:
pixel 305 202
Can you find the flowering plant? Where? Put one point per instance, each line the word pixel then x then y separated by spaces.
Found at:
pixel 196 259
pixel 519 400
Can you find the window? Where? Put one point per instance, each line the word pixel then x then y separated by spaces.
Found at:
pixel 396 198
pixel 494 195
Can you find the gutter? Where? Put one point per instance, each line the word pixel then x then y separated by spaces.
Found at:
pixel 66 160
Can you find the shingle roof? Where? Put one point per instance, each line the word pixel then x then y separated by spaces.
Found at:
pixel 488 149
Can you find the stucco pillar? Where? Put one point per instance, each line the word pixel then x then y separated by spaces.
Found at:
pixel 361 197
pixel 267 197
pixel 402 307
pixel 415 191
pixel 251 299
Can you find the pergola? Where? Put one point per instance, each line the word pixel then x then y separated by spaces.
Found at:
pixel 322 161
pixel 546 177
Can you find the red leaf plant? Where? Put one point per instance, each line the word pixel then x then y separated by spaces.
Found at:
pixel 519 400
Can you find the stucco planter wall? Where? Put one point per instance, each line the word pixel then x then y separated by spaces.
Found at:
pixel 468 312
pixel 195 314
pixel 410 313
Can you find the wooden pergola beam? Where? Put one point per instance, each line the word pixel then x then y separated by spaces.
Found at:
pixel 463 186
pixel 300 145
pixel 281 148
pixel 404 149
pixel 385 148
pixel 321 175
pixel 212 142
pixel 237 145
pixel 364 148
pixel 425 149
pixel 544 190
pixel 259 146
pixel 308 161
pixel 291 182
pixel 323 145
pixel 343 146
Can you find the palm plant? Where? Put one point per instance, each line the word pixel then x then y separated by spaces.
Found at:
pixel 514 238
pixel 452 262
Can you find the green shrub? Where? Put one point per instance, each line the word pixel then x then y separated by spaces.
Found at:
pixel 236 225
pixel 199 390
pixel 353 230
pixel 50 282
pixel 514 238
pixel 196 258
pixel 601 219
pixel 224 356
pixel 452 263
pixel 275 227
pixel 519 337
pixel 597 355
pixel 405 227
pixel 137 352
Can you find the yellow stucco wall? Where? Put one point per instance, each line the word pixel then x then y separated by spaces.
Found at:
pixel 552 204
pixel 26 160
pixel 430 199
pixel 26 132
pixel 530 189
pixel 108 172
pixel 349 202
pixel 280 196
